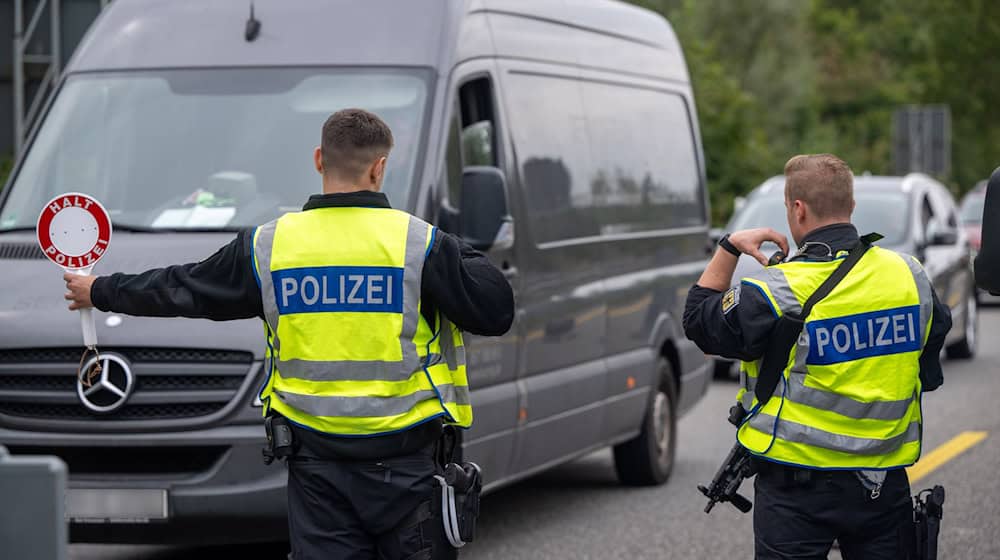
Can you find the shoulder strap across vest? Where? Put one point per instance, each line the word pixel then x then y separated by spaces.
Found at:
pixel 789 326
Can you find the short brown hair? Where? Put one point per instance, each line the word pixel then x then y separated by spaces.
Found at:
pixel 823 181
pixel 352 140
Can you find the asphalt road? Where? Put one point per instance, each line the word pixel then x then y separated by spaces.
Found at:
pixel 579 511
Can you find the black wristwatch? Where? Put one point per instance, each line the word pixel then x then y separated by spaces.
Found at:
pixel 729 247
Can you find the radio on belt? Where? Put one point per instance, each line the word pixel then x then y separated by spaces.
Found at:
pixel 74 232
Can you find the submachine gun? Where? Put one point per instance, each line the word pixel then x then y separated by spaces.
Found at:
pixel 737 467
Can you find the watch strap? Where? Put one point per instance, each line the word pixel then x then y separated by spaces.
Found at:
pixel 728 246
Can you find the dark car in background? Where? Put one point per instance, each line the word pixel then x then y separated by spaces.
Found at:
pixel 915 214
pixel 971 216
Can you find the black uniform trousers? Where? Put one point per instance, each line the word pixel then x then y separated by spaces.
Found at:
pixel 366 509
pixel 800 519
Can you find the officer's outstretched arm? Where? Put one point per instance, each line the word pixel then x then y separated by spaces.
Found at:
pixel 465 286
pixel 221 287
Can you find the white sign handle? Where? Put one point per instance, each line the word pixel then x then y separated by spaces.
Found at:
pixel 87 319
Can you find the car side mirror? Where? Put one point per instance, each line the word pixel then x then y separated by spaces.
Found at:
pixel 485 220
pixel 940 234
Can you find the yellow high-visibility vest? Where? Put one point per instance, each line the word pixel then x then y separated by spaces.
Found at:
pixel 849 397
pixel 350 353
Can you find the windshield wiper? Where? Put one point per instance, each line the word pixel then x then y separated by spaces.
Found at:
pixel 115 226
pixel 17 229
pixel 132 228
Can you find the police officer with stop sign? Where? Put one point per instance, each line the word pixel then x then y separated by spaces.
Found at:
pixel 830 432
pixel 364 308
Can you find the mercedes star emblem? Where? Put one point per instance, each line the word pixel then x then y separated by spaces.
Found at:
pixel 111 389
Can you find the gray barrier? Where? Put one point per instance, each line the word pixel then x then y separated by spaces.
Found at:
pixel 33 518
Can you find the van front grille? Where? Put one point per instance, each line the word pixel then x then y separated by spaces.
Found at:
pixel 21 251
pixel 172 387
pixel 127 412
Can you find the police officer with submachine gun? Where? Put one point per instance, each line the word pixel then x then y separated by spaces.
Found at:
pixel 837 342
pixel 364 308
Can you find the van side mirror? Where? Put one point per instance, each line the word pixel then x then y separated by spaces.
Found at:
pixel 940 234
pixel 485 221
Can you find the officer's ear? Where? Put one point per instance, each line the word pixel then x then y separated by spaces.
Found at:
pixel 318 159
pixel 377 172
pixel 799 210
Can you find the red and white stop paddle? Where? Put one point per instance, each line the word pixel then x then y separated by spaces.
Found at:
pixel 74 231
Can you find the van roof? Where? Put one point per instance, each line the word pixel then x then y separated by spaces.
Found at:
pixel 148 34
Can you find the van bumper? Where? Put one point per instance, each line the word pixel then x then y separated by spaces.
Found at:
pixel 231 497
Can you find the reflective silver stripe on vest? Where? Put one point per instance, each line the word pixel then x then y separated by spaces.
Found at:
pixel 923 292
pixel 262 254
pixel 454 356
pixel 799 393
pixel 347 370
pixel 416 253
pixel 365 407
pixel 780 290
pixel 800 433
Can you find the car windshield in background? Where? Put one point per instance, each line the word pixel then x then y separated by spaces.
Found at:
pixel 877 211
pixel 207 149
pixel 972 209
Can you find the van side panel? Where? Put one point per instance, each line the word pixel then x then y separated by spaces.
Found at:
pixel 562 299
pixel 535 39
pixel 606 257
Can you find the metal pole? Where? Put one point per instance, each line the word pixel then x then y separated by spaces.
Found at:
pixel 18 76
pixel 55 31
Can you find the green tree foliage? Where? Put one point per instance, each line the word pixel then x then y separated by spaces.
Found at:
pixel 774 78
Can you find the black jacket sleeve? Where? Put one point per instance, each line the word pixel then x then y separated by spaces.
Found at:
pixel 738 330
pixel 465 286
pixel 931 374
pixel 221 287
pixel 988 260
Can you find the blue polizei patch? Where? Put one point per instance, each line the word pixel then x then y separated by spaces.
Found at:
pixel 339 289
pixel 852 337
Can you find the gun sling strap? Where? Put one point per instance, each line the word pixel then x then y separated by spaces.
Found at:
pixel 789 326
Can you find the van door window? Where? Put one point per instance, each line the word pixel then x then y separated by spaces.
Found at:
pixel 453 164
pixel 478 130
pixel 643 152
pixel 471 141
pixel 550 132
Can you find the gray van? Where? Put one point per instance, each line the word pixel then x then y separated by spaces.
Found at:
pixel 560 137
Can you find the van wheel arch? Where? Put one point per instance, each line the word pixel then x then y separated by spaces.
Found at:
pixel 648 458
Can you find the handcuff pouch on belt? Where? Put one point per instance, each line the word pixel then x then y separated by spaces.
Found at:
pixel 460 486
pixel 280 441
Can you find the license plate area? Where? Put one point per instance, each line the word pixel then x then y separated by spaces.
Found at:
pixel 116 505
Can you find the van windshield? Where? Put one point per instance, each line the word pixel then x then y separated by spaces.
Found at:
pixel 208 148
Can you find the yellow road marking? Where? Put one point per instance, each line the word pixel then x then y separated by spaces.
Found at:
pixel 944 453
